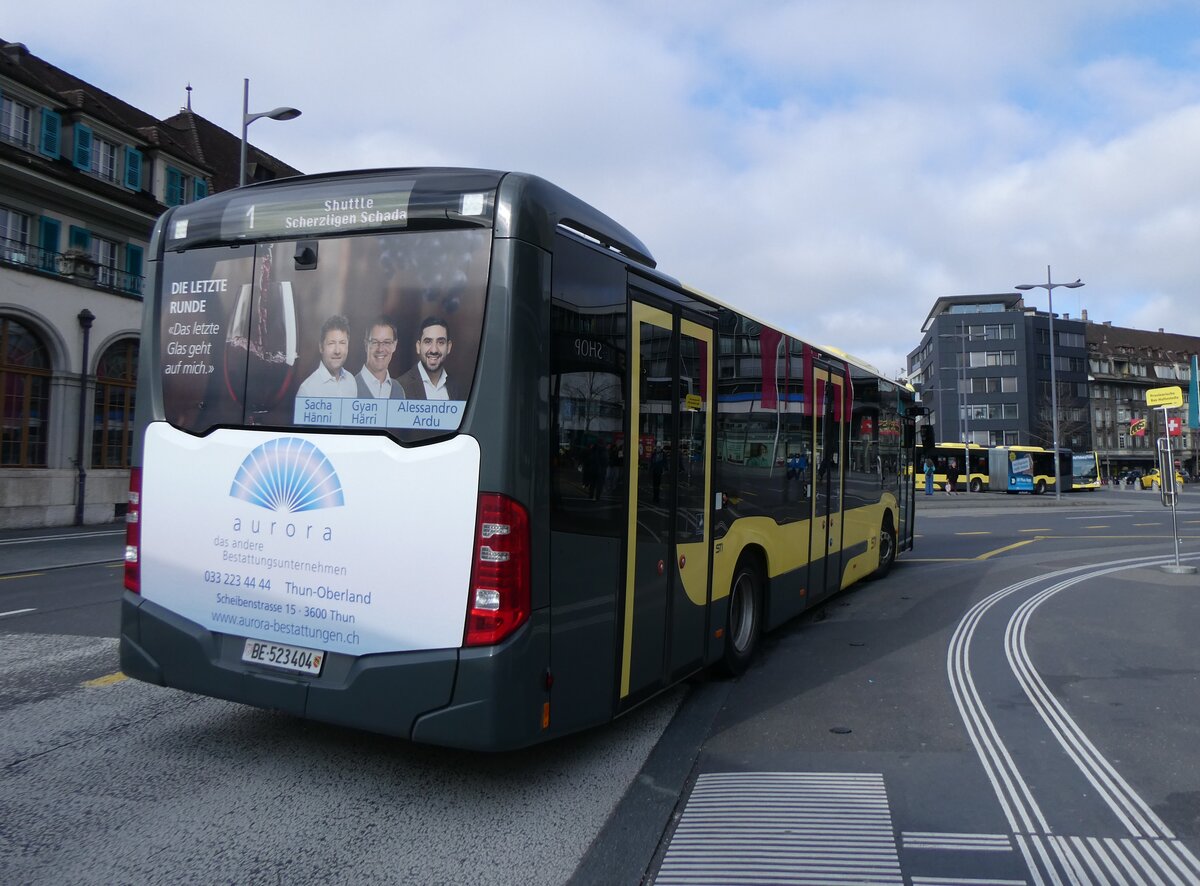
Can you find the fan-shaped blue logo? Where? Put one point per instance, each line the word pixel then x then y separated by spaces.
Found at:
pixel 288 475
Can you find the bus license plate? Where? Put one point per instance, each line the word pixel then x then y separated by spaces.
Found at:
pixel 287 658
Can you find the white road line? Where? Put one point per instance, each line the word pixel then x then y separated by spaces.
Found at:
pixel 43 538
pixel 16 612
pixel 1077 859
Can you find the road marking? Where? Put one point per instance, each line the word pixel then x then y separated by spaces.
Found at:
pixel 955 841
pixel 16 612
pixel 972 533
pixel 1098 526
pixel 21 575
pixel 1011 547
pixel 39 538
pixel 106 680
pixel 1149 842
pixel 1034 530
pixel 795 827
pixel 1148 524
pixel 960 881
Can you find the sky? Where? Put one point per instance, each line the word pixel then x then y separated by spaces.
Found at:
pixel 830 166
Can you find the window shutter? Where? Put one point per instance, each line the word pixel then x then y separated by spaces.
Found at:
pixel 199 189
pixel 133 266
pixel 174 195
pixel 51 133
pixel 49 230
pixel 80 238
pixel 133 168
pixel 83 147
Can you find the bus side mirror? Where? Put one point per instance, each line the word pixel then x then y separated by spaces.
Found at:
pixel 927 446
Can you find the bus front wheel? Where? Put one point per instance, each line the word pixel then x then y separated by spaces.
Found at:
pixel 976 484
pixel 744 621
pixel 1040 487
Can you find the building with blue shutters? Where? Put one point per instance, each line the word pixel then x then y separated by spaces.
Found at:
pixel 83 177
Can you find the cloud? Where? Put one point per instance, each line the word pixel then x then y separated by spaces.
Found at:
pixel 831 166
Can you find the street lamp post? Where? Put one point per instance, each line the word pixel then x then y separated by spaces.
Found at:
pixel 962 401
pixel 248 118
pixel 85 318
pixel 1050 287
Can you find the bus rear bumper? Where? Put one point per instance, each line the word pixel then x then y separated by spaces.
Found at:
pixel 489 698
pixel 381 693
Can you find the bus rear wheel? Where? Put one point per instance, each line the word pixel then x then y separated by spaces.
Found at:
pixel 976 484
pixel 744 620
pixel 1040 487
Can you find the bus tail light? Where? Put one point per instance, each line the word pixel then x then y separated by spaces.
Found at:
pixel 499 595
pixel 133 533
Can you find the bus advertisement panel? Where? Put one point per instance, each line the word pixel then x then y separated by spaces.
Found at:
pixel 1020 472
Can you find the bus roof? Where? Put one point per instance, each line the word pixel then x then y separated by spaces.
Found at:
pixel 424 195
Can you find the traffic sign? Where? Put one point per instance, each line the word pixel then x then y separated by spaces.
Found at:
pixel 1170 396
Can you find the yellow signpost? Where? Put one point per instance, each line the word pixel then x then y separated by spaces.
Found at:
pixel 1169 397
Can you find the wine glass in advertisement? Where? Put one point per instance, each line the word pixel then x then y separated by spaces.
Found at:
pixel 260 345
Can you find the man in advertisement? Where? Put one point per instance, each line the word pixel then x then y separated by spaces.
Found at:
pixel 331 379
pixel 428 379
pixel 373 379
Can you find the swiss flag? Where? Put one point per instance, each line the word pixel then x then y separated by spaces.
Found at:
pixel 1174 426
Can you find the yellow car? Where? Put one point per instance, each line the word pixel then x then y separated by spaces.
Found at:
pixel 1153 480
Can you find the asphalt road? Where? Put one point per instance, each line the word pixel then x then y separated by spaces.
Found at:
pixel 1014 704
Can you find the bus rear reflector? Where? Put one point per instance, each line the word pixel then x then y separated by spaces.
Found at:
pixel 133 533
pixel 499 598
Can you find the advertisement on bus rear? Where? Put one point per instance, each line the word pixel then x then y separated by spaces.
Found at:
pixel 310 543
pixel 371 331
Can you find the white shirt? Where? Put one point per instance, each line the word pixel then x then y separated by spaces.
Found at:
pixel 381 390
pixel 432 391
pixel 322 384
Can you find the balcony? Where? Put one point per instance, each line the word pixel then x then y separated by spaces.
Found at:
pixel 73 265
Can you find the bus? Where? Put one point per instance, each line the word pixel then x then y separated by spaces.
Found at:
pixel 1085 470
pixel 972 469
pixel 442 454
pixel 1015 469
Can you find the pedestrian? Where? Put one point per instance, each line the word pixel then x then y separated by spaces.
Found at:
pixel 929 476
pixel 952 477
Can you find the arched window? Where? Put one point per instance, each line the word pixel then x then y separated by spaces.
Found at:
pixel 25 383
pixel 112 425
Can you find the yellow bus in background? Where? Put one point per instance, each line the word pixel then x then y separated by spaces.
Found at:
pixel 974 479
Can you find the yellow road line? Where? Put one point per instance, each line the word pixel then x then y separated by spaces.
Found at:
pixel 1098 526
pixel 20 575
pixel 1010 547
pixel 1033 530
pixel 106 680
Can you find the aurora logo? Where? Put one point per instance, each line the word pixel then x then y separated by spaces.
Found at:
pixel 288 475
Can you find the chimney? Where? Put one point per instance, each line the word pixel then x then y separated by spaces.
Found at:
pixel 1084 314
pixel 15 52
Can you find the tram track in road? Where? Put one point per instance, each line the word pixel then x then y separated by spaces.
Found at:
pixel 1145 849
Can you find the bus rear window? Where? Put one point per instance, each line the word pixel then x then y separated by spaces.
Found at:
pixel 378 332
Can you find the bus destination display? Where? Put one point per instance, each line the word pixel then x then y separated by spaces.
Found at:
pixel 312 215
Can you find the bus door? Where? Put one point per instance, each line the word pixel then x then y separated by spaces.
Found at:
pixel 825 553
pixel 906 470
pixel 665 606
